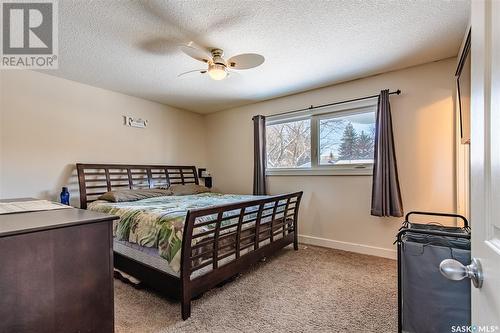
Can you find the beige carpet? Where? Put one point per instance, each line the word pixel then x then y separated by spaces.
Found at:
pixel 312 290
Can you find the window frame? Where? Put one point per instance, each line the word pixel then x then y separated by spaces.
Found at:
pixel 315 115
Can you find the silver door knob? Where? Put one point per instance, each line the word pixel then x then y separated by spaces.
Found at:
pixel 454 270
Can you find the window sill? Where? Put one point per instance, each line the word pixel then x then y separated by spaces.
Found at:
pixel 365 171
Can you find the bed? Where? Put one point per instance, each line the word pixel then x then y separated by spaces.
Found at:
pixel 183 246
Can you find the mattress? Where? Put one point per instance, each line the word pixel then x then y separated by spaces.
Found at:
pixel 151 229
pixel 145 255
pixel 149 256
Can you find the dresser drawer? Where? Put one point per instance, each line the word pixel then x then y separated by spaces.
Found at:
pixel 58 280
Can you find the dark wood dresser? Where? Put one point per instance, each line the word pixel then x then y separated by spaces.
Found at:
pixel 56 272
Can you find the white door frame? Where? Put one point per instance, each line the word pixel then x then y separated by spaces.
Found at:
pixel 485 161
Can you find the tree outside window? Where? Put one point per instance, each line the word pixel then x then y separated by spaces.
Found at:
pixel 342 139
pixel 289 144
pixel 347 139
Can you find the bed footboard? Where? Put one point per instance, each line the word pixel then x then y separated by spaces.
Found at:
pixel 221 241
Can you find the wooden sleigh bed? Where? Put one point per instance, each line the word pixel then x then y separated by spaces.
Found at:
pixel 240 233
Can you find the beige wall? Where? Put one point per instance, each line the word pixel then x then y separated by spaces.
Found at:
pixel 49 124
pixel 335 209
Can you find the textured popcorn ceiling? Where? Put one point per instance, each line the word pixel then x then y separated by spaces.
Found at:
pixel 131 46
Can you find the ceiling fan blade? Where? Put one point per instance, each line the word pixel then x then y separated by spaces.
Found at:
pixel 196 53
pixel 201 71
pixel 160 45
pixel 245 61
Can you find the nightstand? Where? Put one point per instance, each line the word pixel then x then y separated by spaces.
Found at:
pixel 206 179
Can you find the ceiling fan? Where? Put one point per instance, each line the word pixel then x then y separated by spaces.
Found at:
pixel 218 67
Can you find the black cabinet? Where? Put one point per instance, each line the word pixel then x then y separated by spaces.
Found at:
pixel 56 272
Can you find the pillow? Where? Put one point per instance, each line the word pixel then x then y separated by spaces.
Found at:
pixel 134 195
pixel 179 189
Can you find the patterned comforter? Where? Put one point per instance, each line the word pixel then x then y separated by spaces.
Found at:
pixel 159 222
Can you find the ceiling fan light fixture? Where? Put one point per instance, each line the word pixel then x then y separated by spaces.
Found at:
pixel 217 65
pixel 217 72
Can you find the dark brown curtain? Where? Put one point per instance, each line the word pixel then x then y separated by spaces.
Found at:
pixel 386 195
pixel 259 155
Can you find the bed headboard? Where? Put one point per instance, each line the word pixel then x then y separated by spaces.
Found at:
pixel 97 179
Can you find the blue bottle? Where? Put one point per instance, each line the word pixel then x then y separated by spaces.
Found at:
pixel 65 196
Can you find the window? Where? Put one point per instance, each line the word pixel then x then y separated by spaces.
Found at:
pixel 328 141
pixel 289 144
pixel 347 139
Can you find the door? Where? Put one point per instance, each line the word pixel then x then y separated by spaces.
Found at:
pixel 485 161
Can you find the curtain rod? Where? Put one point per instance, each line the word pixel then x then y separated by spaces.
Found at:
pixel 312 107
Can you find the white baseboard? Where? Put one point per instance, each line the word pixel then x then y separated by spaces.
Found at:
pixel 347 246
